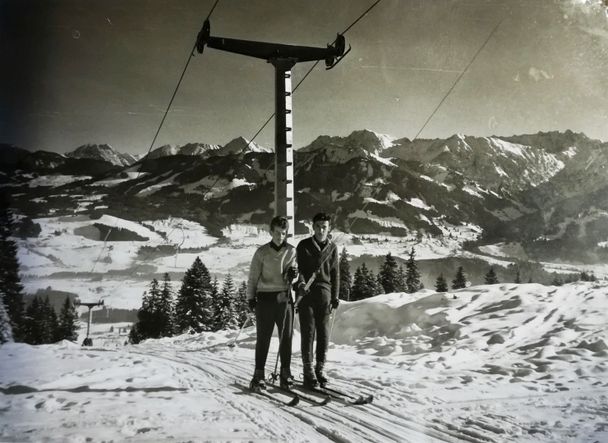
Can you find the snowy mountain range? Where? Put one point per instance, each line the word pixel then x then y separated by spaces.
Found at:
pixel 546 191
pixel 235 146
pixel 104 153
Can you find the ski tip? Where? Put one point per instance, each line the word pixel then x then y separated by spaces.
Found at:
pixel 364 400
pixel 326 400
pixel 294 401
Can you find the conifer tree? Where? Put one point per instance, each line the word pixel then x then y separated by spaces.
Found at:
pixel 48 321
pixel 557 280
pixel 6 332
pixel 490 277
pixel 401 280
pixel 412 275
pixel 440 284
pixel 32 328
pixel 165 311
pixel 215 288
pixel 40 323
pixel 388 274
pixel 460 281
pixel 365 284
pixel 345 277
pixel 68 322
pixel 225 304
pixel 155 318
pixel 141 330
pixel 375 284
pixel 517 276
pixel 10 282
pixel 194 308
pixel 149 326
pixel 358 282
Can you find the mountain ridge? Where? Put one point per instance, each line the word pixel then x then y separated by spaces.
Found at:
pixel 548 195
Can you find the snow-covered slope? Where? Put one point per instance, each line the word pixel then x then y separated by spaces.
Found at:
pixel 501 363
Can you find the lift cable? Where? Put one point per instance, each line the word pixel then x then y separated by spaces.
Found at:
pixel 242 152
pixel 349 229
pixel 458 79
pixel 315 65
pixel 190 56
pixel 161 123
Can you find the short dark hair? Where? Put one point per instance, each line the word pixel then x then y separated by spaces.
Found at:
pixel 279 221
pixel 321 216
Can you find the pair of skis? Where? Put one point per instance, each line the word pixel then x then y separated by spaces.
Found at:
pixel 326 395
pixel 295 397
pixel 337 394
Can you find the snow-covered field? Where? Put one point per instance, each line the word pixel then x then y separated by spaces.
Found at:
pixel 500 363
pixel 70 254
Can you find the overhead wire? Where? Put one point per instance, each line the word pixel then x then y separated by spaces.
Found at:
pixel 271 117
pixel 179 82
pixel 464 71
pixel 350 226
pixel 446 95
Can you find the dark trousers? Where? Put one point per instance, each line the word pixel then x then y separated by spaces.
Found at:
pixel 271 309
pixel 314 319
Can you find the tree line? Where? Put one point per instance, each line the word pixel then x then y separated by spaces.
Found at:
pixel 38 323
pixel 201 305
pixel 394 278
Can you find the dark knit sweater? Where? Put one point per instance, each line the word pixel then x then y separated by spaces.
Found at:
pixel 309 254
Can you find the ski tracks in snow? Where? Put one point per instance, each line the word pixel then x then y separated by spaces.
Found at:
pixel 217 370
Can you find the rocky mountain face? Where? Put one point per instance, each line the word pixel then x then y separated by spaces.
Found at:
pixel 547 191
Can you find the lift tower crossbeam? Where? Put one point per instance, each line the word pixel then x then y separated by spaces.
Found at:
pixel 283 58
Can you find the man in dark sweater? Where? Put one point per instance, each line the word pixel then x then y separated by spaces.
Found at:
pixel 317 255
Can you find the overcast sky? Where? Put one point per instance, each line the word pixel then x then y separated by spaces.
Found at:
pixel 77 72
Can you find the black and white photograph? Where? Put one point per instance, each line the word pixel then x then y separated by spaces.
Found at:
pixel 331 221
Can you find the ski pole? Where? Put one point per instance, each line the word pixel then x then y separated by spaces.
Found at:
pixel 247 320
pixel 333 321
pixel 274 375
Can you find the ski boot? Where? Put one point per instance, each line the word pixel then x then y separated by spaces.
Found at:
pixel 257 382
pixel 310 381
pixel 321 378
pixel 285 379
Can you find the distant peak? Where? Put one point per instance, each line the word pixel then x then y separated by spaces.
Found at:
pixel 240 144
pixel 372 138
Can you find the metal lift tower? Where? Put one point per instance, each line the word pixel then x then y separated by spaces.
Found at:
pixel 88 341
pixel 283 58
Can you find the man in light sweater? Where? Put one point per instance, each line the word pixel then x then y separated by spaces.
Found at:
pixel 272 270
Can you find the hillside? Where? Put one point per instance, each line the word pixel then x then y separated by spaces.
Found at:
pixel 501 363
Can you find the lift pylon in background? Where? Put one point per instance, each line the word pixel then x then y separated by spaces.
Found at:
pixel 88 341
pixel 283 58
